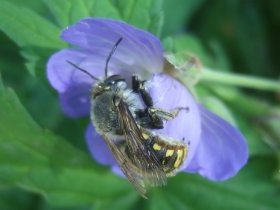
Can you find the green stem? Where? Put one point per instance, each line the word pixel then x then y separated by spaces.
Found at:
pixel 208 75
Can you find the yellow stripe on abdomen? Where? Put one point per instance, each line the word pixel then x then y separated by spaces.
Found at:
pixel 156 146
pixel 169 153
pixel 180 158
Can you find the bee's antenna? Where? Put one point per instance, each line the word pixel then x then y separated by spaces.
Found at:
pixel 110 55
pixel 83 70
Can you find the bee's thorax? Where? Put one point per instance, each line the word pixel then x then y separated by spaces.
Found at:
pixel 103 111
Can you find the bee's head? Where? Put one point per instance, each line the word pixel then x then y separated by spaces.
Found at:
pixel 111 82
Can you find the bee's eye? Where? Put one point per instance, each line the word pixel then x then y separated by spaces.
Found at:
pixel 114 79
pixel 109 83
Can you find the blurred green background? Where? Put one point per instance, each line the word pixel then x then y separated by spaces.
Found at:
pixel 44 162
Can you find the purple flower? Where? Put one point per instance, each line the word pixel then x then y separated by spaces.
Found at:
pixel 217 150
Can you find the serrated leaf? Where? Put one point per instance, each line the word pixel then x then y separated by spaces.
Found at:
pixel 27 28
pixel 146 14
pixel 69 12
pixel 39 161
pixel 37 6
pixel 31 91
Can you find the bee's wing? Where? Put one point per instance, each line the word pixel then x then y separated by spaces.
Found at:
pixel 127 167
pixel 142 156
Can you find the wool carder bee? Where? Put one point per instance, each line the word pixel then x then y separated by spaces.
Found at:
pixel 128 122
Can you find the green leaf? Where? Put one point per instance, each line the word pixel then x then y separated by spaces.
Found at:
pixel 119 203
pixel 69 12
pixel 192 45
pixel 146 14
pixel 32 92
pixel 37 160
pixel 37 6
pixel 243 29
pixel 178 14
pixel 14 198
pixel 27 28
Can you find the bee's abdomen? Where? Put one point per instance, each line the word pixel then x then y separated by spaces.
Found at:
pixel 171 154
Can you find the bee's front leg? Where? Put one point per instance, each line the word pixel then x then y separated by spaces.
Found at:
pixel 138 86
pixel 146 118
pixel 151 117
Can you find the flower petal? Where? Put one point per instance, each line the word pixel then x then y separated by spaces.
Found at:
pixel 169 94
pixel 222 150
pixel 117 170
pixel 139 51
pixel 75 101
pixel 62 75
pixel 98 147
pixel 74 85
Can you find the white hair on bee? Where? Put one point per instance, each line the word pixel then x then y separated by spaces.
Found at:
pixel 132 99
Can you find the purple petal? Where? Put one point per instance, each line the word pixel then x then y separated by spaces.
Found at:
pixel 100 151
pixel 139 52
pixel 73 85
pixel 169 94
pixel 62 75
pixel 98 147
pixel 75 101
pixel 222 150
pixel 117 170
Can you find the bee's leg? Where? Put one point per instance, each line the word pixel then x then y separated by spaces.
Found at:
pixel 151 117
pixel 138 86
pixel 146 118
pixel 165 114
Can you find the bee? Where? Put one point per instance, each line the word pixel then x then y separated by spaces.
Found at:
pixel 129 129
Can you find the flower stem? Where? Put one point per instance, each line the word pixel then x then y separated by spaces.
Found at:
pixel 208 75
